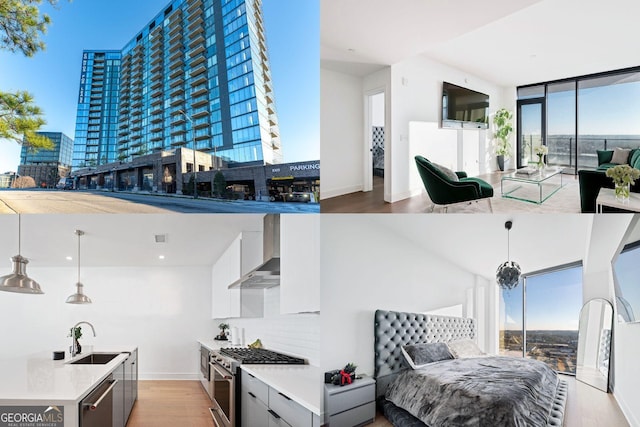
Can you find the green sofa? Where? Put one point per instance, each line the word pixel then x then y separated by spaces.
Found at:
pixel 591 181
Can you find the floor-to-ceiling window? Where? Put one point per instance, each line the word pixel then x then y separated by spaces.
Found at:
pixel 581 115
pixel 539 318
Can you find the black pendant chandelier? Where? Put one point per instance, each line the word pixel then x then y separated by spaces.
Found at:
pixel 508 274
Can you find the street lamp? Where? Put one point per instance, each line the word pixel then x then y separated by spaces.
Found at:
pixel 195 172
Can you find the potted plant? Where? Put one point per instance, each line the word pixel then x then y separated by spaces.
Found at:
pixel 76 333
pixel 502 131
pixel 223 331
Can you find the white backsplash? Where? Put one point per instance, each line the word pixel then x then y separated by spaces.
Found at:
pixel 294 334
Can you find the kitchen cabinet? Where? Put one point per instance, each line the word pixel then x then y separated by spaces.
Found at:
pixel 299 263
pixel 260 401
pixel 130 383
pixel 244 254
pixel 119 416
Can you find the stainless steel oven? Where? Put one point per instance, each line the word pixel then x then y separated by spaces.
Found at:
pixel 205 371
pixel 224 393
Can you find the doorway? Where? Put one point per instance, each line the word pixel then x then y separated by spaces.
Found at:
pixel 375 138
pixel 531 128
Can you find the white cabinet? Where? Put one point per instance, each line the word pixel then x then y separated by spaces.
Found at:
pixel 243 255
pixel 299 263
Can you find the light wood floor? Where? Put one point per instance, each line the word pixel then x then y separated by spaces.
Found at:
pixel 171 404
pixel 586 407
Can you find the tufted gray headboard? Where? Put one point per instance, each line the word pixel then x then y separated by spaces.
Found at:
pixel 393 329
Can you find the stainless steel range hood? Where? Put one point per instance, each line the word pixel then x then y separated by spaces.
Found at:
pixel 267 275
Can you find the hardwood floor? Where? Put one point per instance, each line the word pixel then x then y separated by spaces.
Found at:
pixel 586 407
pixel 171 404
pixel 566 201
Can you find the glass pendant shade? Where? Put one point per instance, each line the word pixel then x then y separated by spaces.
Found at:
pixel 508 273
pixel 18 281
pixel 79 297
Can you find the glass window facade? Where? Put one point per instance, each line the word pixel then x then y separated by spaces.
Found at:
pixel 60 155
pixel 97 116
pixel 196 76
pixel 542 328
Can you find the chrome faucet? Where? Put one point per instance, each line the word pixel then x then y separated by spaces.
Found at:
pixel 74 342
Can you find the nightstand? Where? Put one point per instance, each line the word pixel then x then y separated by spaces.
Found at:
pixel 351 405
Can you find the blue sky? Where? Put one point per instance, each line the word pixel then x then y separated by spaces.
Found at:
pixel 627 268
pixel 52 76
pixel 602 110
pixel 554 301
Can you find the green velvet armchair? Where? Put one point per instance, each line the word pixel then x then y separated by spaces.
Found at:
pixel 445 191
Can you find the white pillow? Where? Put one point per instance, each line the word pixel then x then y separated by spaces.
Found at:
pixel 465 348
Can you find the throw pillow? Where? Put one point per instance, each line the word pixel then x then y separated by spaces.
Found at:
pixel 620 156
pixel 447 172
pixel 634 160
pixel 604 156
pixel 465 348
pixel 419 355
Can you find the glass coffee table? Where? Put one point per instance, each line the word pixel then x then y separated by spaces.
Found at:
pixel 523 187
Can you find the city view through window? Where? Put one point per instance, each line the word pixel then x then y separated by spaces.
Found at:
pixel 547 320
pixel 604 108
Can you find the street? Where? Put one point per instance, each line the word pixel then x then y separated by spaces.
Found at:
pixel 57 201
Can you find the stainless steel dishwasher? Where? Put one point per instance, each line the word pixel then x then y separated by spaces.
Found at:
pixel 96 409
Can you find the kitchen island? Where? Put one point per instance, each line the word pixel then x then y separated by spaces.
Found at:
pixel 59 385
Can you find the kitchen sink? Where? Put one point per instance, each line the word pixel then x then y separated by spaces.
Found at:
pixel 95 359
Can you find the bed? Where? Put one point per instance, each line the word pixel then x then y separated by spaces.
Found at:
pixel 477 391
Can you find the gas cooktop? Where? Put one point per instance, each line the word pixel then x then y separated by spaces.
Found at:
pixel 260 356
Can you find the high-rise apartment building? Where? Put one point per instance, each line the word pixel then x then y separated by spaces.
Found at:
pixel 46 166
pixel 97 117
pixel 197 74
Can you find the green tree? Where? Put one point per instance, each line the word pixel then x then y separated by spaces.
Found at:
pixel 21 118
pixel 219 184
pixel 21 28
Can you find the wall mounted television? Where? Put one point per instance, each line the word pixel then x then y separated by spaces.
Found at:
pixel 464 108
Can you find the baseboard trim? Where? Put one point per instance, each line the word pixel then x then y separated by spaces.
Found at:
pixel 327 194
pixel 167 376
pixel 626 410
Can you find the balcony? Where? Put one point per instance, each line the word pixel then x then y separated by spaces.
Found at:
pixel 200 100
pixel 199 90
pixel 194 5
pixel 195 39
pixel 178 62
pixel 178 90
pixel 177 81
pixel 198 70
pixel 156 93
pixel 198 80
pixel 178 71
pixel 199 59
pixel 199 112
pixel 155 84
pixel 174 30
pixel 196 50
pixel 201 123
pixel 156 102
pixel 178 100
pixel 156 137
pixel 156 118
pixel 196 23
pixel 123 132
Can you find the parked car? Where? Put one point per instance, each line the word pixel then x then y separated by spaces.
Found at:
pixel 300 196
pixel 65 184
pixel 275 196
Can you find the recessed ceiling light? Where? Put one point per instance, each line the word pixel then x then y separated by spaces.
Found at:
pixel 160 256
pixel 69 258
pixel 351 49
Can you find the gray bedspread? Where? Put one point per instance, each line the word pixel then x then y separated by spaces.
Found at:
pixel 484 391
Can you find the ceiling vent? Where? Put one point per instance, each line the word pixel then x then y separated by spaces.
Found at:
pixel 161 238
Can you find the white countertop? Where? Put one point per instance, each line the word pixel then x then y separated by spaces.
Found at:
pixel 302 383
pixel 214 345
pixel 38 377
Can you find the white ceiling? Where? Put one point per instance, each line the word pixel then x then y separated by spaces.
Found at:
pixel 509 42
pixel 122 240
pixel 478 243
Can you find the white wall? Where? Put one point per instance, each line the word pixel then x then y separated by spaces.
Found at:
pixel 416 84
pixel 294 334
pixel 163 311
pixel 365 267
pixel 341 133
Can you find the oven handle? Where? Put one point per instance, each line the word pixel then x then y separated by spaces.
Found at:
pixel 223 374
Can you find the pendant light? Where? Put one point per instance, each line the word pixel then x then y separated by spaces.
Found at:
pixel 79 297
pixel 508 274
pixel 19 281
